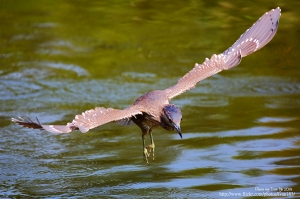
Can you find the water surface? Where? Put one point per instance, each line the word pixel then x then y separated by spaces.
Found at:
pixel 59 58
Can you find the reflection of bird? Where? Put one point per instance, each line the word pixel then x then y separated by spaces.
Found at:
pixel 153 109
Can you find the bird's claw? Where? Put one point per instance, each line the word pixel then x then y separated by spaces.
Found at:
pixel 146 155
pixel 147 151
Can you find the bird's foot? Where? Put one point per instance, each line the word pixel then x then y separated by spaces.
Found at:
pixel 147 152
pixel 146 155
pixel 150 148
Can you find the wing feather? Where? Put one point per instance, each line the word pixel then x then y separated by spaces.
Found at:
pixel 96 117
pixel 84 122
pixel 256 37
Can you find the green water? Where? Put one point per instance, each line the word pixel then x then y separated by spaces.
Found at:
pixel 241 128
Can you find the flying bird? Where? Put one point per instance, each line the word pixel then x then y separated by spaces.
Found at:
pixel 153 109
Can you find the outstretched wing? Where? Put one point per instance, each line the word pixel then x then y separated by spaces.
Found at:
pixel 84 122
pixel 256 37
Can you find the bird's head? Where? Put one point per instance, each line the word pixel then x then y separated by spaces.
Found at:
pixel 171 118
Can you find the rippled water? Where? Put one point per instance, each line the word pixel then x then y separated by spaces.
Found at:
pixel 240 127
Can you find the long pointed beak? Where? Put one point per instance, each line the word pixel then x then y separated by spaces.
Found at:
pixel 177 128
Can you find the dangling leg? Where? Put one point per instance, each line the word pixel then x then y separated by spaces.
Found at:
pixel 145 151
pixel 151 146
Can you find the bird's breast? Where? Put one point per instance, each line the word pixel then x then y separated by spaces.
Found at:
pixel 146 121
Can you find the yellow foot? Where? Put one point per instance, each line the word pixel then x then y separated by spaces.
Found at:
pixel 150 148
pixel 146 155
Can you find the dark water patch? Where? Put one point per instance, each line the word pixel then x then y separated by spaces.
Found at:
pixel 248 86
pixel 256 131
pixel 216 187
pixel 283 102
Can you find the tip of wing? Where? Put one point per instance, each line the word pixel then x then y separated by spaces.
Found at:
pixel 258 35
pixel 28 123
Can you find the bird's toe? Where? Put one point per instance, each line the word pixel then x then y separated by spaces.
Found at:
pixel 146 155
pixel 150 148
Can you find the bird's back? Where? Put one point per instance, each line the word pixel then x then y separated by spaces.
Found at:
pixel 152 101
pixel 152 104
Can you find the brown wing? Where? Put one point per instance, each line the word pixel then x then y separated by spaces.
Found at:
pixel 256 37
pixel 84 122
